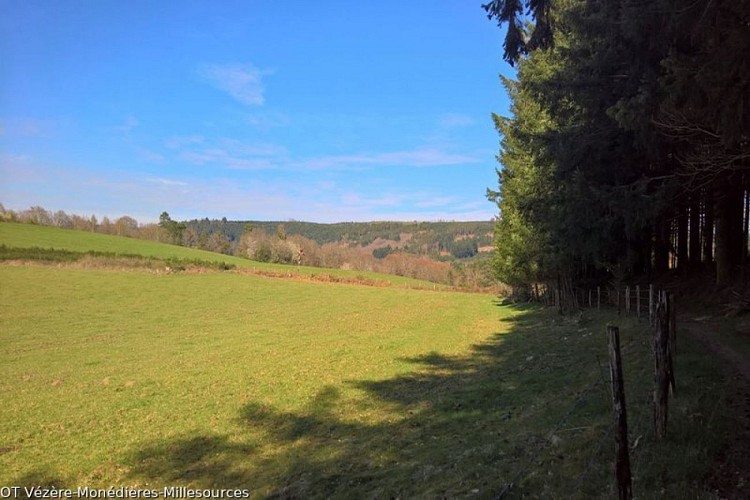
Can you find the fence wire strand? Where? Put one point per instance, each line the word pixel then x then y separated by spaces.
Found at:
pixel 636 432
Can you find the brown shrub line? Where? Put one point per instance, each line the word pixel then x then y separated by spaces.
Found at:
pixel 358 280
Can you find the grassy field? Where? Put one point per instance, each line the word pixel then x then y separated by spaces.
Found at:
pixel 30 235
pixel 305 389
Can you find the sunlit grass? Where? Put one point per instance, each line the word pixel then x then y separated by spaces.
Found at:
pixel 314 389
pixel 30 235
pixel 97 362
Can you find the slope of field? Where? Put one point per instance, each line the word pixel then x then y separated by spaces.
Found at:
pixel 302 389
pixel 99 365
pixel 30 235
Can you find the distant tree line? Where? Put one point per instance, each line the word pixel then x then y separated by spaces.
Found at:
pixel 628 148
pixel 122 226
pixel 459 239
pixel 258 243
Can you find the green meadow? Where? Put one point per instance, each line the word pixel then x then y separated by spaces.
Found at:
pixel 26 236
pixel 305 389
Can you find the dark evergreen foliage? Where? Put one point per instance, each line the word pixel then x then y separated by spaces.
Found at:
pixel 628 148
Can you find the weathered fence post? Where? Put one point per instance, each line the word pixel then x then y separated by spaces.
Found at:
pixel 598 298
pixel 661 369
pixel 638 301
pixel 589 298
pixel 622 463
pixel 651 305
pixel 627 301
pixel 618 300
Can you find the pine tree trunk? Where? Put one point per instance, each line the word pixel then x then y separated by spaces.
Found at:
pixel 729 234
pixel 646 250
pixel 682 237
pixel 745 229
pixel 695 227
pixel 723 249
pixel 661 245
pixel 708 227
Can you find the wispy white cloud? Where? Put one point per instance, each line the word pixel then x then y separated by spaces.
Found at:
pixel 420 157
pixel 267 121
pixel 28 127
pixel 166 182
pixel 436 202
pixel 244 82
pixel 241 155
pixel 456 121
pixel 11 159
pixel 150 156
pixel 229 153
pixel 128 124
pixel 352 199
pixel 114 193
pixel 177 142
pixel 223 158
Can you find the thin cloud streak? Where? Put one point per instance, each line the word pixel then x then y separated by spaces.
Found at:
pixel 229 153
pixel 456 121
pixel 29 127
pixel 436 202
pixel 150 156
pixel 243 82
pixel 117 193
pixel 238 155
pixel 167 182
pixel 128 124
pixel 420 157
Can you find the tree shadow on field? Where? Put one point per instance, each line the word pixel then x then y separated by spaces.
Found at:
pixel 454 426
pixel 205 461
pixel 41 478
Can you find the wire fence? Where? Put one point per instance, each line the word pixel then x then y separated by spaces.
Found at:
pixel 632 300
pixel 639 302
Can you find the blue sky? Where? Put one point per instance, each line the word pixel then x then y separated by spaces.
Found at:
pixel 321 111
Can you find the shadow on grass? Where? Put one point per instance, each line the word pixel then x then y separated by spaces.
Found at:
pixel 204 461
pixel 530 408
pixel 35 482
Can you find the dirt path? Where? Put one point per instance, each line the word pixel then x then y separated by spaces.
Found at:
pixel 705 329
pixel 731 475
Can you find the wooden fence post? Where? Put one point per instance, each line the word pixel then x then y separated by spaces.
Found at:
pixel 627 301
pixel 598 298
pixel 651 304
pixel 589 298
pixel 622 463
pixel 661 370
pixel 638 301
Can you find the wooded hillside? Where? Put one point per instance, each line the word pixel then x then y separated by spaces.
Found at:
pixel 460 239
